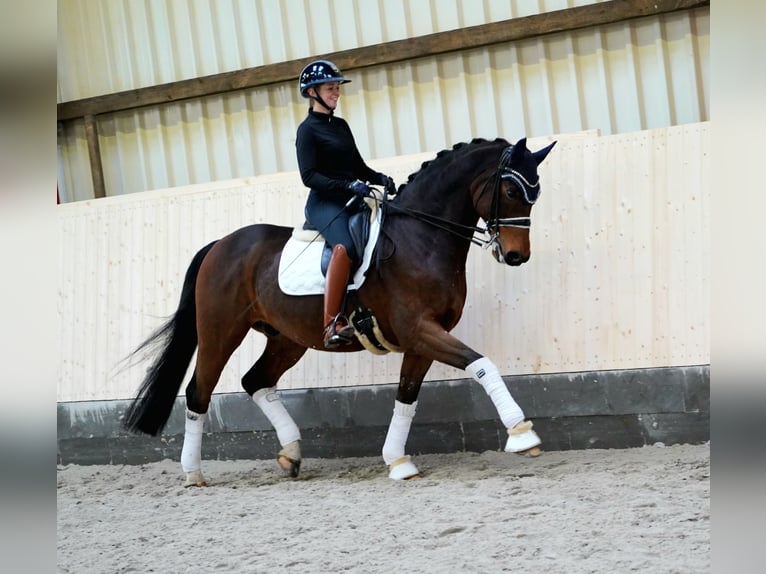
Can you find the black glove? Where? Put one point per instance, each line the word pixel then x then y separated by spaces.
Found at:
pixel 389 185
pixel 359 188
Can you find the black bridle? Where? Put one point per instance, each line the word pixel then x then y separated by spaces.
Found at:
pixel 530 192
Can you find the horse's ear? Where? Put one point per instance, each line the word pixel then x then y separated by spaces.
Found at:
pixel 541 154
pixel 518 151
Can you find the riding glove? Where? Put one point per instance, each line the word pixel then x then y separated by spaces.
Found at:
pixel 359 188
pixel 389 185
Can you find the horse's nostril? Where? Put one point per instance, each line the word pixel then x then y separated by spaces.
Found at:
pixel 514 258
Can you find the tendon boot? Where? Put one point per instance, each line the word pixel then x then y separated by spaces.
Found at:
pixel 337 331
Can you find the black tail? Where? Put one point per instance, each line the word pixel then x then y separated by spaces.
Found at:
pixel 177 341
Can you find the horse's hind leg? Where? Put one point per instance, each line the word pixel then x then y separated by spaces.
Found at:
pixel 215 348
pixel 191 451
pixel 260 382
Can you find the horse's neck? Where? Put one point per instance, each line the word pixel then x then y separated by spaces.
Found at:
pixel 446 198
pixel 445 232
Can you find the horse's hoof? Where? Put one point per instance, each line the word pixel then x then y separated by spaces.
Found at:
pixel 533 452
pixel 290 466
pixel 195 478
pixel 403 469
pixel 289 458
pixel 523 440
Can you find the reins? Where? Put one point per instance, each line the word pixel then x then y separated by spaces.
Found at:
pixel 494 223
pixel 440 222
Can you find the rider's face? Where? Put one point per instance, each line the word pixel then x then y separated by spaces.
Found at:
pixel 329 93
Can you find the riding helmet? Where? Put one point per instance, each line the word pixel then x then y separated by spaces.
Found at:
pixel 319 72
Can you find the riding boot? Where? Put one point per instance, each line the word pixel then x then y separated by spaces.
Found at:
pixel 337 331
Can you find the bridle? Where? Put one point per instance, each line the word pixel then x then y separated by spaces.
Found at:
pixel 530 192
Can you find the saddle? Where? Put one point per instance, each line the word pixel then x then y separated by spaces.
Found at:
pixel 299 275
pixel 358 227
pixel 306 255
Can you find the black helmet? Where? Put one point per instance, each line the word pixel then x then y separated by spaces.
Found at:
pixel 319 72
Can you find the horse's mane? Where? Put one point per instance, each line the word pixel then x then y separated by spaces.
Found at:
pixel 449 154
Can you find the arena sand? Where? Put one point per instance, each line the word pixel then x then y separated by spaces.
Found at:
pixel 612 511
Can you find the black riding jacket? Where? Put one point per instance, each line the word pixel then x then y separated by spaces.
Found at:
pixel 328 158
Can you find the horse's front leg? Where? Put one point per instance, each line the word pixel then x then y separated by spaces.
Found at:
pixel 433 341
pixel 414 369
pixel 521 438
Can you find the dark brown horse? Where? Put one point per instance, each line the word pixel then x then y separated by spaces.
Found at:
pixel 415 290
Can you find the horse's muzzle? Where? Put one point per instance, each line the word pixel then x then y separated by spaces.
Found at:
pixel 511 258
pixel 515 258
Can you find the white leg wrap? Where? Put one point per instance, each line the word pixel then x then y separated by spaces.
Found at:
pixel 398 430
pixel 486 374
pixel 271 405
pixel 191 452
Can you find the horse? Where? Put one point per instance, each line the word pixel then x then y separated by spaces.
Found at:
pixel 414 291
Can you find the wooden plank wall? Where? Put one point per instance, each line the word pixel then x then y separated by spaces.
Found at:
pixel 619 275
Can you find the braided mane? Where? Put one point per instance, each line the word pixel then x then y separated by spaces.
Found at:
pixel 447 153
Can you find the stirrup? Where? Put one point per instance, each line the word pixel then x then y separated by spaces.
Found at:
pixel 335 335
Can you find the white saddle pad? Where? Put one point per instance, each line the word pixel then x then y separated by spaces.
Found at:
pixel 300 270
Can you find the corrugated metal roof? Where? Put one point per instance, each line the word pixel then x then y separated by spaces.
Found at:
pixel 107 47
pixel 642 74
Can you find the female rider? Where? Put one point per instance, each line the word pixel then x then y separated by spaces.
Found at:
pixel 331 166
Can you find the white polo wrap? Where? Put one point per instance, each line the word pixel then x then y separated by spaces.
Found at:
pixel 191 452
pixel 398 430
pixel 271 405
pixel 486 374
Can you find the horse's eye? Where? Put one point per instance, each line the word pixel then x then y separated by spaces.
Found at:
pixel 512 190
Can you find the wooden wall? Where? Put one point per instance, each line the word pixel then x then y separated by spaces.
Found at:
pixel 619 276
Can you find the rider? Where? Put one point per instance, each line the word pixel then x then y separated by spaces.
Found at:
pixel 331 166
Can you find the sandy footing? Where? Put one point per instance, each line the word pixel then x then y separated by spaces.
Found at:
pixel 633 510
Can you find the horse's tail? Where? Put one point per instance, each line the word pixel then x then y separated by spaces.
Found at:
pixel 176 340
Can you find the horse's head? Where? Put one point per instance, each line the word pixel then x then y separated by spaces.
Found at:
pixel 514 187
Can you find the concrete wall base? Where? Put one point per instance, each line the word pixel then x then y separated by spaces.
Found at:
pixel 600 409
